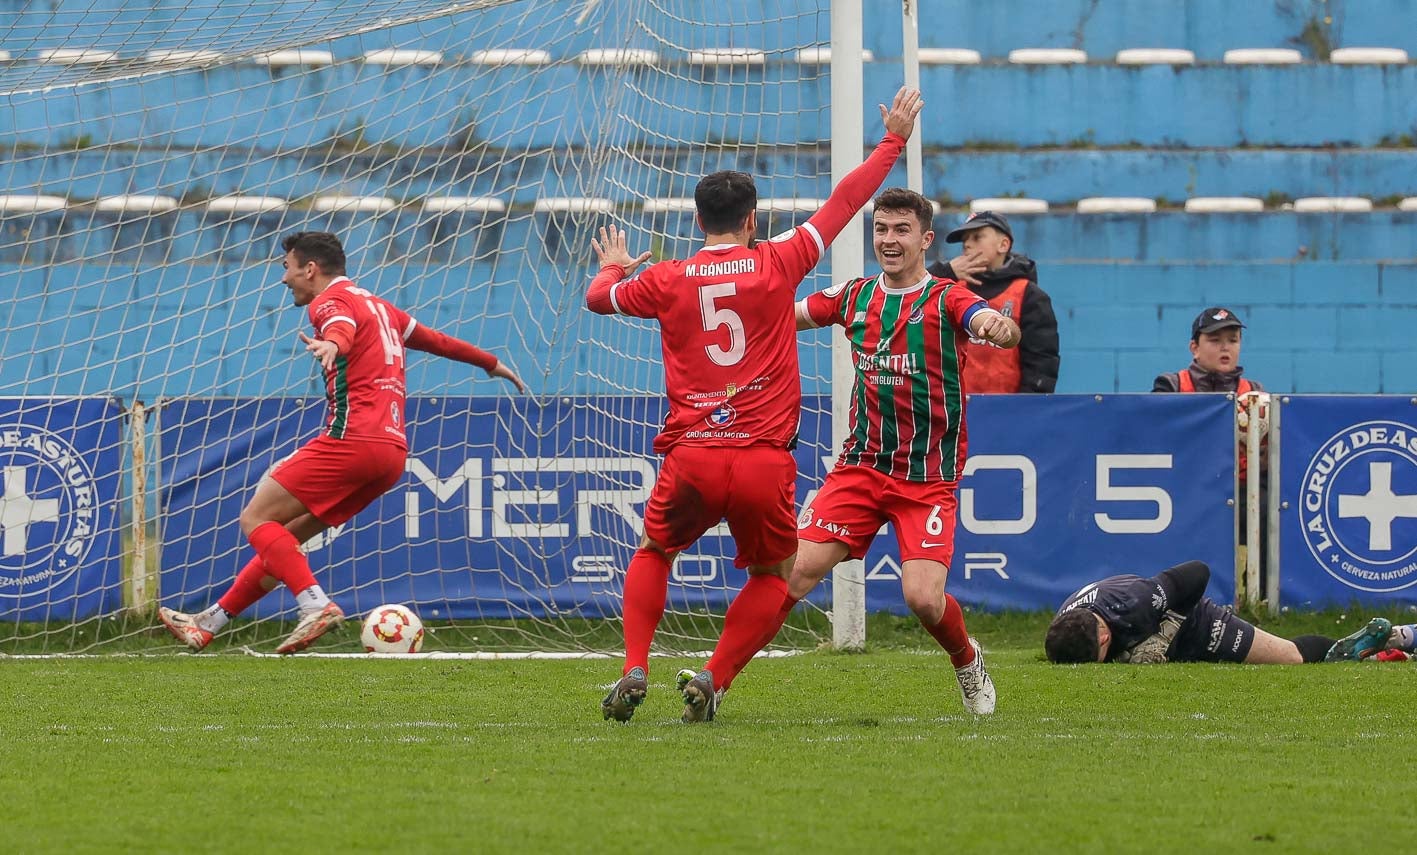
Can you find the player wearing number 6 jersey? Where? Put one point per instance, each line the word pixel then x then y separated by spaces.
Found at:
pixel 732 378
pixel 902 461
pixel 359 342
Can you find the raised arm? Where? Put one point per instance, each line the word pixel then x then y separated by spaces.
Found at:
pixel 616 264
pixel 856 189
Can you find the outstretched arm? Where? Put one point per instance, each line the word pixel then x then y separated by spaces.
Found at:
pixel 431 341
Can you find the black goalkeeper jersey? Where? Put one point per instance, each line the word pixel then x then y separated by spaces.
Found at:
pixel 1132 606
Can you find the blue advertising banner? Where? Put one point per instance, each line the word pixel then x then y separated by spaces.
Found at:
pixel 61 461
pixel 518 507
pixel 1348 500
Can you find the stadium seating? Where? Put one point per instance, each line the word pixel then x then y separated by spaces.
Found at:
pixel 1156 155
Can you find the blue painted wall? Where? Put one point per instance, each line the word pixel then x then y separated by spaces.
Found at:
pixel 185 303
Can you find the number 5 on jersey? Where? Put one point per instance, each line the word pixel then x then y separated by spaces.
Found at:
pixel 716 318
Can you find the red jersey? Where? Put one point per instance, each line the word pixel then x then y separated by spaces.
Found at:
pixel 365 388
pixel 727 328
pixel 729 339
pixel 907 346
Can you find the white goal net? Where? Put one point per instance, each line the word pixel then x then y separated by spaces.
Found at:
pixel 156 153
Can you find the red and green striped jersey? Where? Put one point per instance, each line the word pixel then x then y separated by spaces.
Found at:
pixel 365 388
pixel 907 346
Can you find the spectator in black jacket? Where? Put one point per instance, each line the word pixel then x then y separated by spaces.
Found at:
pixel 1215 358
pixel 1009 282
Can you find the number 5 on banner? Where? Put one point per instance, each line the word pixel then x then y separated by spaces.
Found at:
pixel 1106 492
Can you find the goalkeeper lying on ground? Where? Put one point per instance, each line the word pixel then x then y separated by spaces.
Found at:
pixel 1167 618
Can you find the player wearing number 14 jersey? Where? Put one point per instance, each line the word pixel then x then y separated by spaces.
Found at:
pixel 359 342
pixel 731 375
pixel 906 450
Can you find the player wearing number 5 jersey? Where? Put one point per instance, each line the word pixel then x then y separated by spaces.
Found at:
pixel 359 342
pixel 902 461
pixel 732 378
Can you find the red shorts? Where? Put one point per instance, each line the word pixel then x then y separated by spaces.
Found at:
pixel 753 488
pixel 337 478
pixel 855 501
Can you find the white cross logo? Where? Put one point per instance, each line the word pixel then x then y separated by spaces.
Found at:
pixel 1379 506
pixel 18 511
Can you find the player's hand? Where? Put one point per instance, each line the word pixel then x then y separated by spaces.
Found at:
pixel 994 327
pixel 900 118
pixel 324 351
pixel 509 375
pixel 965 266
pixel 610 249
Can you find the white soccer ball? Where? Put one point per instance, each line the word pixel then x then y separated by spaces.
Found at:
pixel 1242 414
pixel 392 628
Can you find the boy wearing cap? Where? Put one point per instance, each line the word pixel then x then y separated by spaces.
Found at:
pixel 1009 283
pixel 1215 358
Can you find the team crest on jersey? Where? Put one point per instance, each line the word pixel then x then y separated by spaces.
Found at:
pixel 1358 506
pixel 722 416
pixel 1008 309
pixel 805 520
pixel 50 510
pixel 918 315
pixel 394 413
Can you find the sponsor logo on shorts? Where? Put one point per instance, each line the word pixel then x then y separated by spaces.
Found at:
pixel 1158 599
pixel 834 528
pixel 1239 639
pixel 48 512
pixel 1358 506
pixel 1217 630
pixel 927 544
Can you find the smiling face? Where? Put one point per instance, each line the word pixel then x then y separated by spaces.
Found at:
pixel 1217 352
pixel 900 244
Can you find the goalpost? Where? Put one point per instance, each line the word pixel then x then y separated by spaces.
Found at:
pixel 464 152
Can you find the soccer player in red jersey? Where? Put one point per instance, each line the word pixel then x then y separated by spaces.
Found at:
pixel 732 378
pixel 902 461
pixel 359 342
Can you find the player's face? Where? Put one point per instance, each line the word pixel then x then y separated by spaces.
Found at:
pixel 899 242
pixel 1104 638
pixel 300 279
pixel 989 242
pixel 1217 351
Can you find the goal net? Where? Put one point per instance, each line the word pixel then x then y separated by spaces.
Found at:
pixel 464 153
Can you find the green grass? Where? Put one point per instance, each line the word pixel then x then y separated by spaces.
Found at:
pixel 815 753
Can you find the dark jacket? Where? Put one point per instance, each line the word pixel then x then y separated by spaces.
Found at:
pixel 1038 347
pixel 1206 381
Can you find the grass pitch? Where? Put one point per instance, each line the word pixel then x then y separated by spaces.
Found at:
pixel 816 753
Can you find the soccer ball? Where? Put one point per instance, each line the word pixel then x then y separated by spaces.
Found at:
pixel 392 628
pixel 1242 414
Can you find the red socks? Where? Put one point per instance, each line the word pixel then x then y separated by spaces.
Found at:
pixel 753 611
pixel 280 552
pixel 246 590
pixel 646 587
pixel 951 634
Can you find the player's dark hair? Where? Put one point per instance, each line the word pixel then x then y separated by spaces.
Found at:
pixel 901 199
pixel 1072 637
pixel 724 200
pixel 323 248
